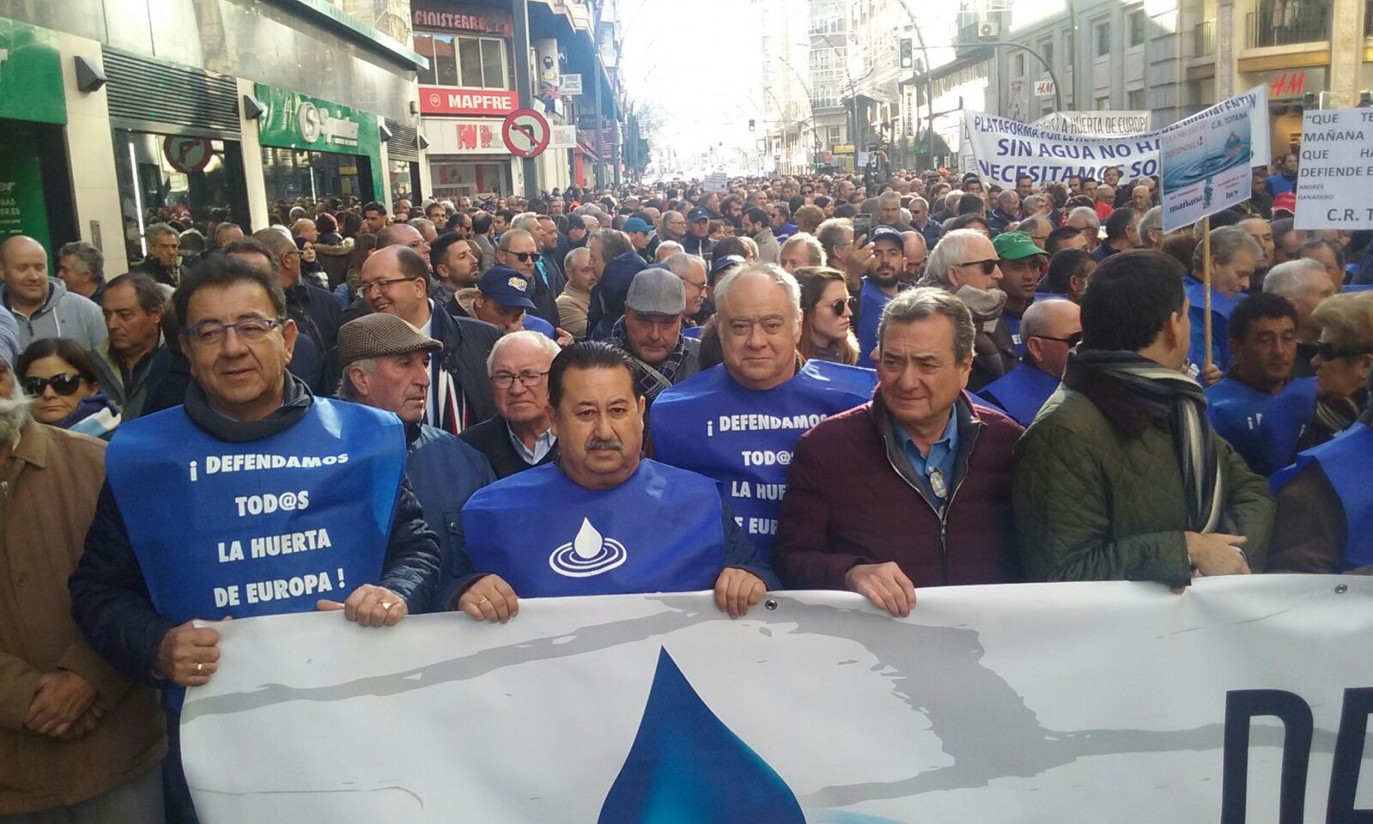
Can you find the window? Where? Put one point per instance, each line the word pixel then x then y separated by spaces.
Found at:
pixel 1137 29
pixel 1135 101
pixel 1102 32
pixel 1103 104
pixel 1046 50
pixel 455 60
pixel 1017 65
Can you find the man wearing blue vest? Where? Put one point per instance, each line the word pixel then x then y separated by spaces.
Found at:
pixel 254 498
pixel 602 510
pixel 879 287
pixel 1263 348
pixel 738 422
pixel 1051 329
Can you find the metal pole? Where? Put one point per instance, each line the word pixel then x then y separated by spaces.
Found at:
pixel 525 84
pixel 600 149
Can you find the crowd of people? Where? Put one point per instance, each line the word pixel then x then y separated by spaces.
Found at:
pixel 822 382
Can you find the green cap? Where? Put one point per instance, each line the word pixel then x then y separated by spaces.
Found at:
pixel 1015 246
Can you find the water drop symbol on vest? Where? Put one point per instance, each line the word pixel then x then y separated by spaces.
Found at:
pixel 588 554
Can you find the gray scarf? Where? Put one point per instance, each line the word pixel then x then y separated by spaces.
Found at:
pixel 1172 396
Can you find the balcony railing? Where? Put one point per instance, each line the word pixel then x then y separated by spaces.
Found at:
pixel 1286 23
pixel 1204 38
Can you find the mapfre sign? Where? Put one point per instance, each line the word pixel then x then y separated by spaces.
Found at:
pixel 448 100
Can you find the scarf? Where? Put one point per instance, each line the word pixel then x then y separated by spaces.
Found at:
pixel 295 402
pixel 1168 395
pixel 651 379
pixel 984 304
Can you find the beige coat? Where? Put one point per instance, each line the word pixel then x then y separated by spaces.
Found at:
pixel 49 484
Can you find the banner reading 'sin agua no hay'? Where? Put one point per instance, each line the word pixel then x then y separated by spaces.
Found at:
pixel 1111 702
pixel 1005 149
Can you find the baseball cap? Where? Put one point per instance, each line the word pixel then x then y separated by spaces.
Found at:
pixel 1285 202
pixel 656 291
pixel 379 334
pixel 637 224
pixel 1015 246
pixel 722 263
pixel 505 286
pixel 886 233
pixel 699 213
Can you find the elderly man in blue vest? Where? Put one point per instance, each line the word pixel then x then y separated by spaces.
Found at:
pixel 602 510
pixel 1050 330
pixel 254 498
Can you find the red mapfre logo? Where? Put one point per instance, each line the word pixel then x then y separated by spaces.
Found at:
pixel 445 100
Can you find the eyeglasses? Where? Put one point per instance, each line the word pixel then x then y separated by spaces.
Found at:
pixel 65 383
pixel 838 306
pixel 1072 340
pixel 988 266
pixel 522 257
pixel 529 377
pixel 252 330
pixel 380 285
pixel 1324 348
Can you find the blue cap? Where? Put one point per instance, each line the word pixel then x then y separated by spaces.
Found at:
pixel 637 224
pixel 699 213
pixel 505 286
pixel 886 233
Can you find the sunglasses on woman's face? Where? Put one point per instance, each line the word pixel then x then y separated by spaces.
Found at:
pixel 1329 351
pixel 838 306
pixel 65 383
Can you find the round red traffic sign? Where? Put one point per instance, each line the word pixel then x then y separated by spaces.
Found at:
pixel 525 133
pixel 187 154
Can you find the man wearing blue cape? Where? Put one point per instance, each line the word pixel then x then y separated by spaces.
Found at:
pixel 603 520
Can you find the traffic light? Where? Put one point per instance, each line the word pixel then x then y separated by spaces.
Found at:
pixel 750 124
pixel 906 59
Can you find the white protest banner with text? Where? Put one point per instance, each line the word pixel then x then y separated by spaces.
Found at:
pixel 1006 149
pixel 1120 702
pixel 1096 124
pixel 1206 163
pixel 1335 178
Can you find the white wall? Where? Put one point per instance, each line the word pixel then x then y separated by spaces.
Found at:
pixel 90 153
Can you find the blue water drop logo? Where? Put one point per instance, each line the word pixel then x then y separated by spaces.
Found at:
pixel 687 766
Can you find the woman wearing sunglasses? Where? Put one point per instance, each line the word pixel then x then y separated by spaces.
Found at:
pixel 61 379
pixel 826 316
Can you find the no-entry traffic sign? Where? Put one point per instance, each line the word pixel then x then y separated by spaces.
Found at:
pixel 525 133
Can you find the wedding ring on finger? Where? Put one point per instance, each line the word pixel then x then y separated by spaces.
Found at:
pixel 199 667
pixel 385 604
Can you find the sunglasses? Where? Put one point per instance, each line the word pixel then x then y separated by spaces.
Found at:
pixel 1327 351
pixel 988 266
pixel 839 305
pixel 1072 340
pixel 522 257
pixel 64 384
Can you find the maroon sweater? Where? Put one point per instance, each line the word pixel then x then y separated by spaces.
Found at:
pixel 846 504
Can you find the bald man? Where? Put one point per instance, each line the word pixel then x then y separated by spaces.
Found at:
pixel 1050 329
pixel 41 304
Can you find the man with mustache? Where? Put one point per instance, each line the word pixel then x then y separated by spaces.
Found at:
pixel 602 510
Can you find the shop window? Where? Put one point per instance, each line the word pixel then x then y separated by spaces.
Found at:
pixel 402 174
pixel 295 178
pixel 189 182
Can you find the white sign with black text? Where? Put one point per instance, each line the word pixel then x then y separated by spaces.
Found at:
pixel 1335 181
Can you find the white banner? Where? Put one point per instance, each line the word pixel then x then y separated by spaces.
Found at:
pixel 1335 179
pixel 1006 149
pixel 1206 163
pixel 562 137
pixel 1119 702
pixel 1096 124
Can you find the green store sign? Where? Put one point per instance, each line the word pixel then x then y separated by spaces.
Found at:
pixel 297 121
pixel 30 74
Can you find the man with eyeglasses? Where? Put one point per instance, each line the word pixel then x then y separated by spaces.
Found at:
pixel 911 489
pixel 1050 329
pixel 395 280
pixel 520 435
pixel 283 502
pixel 386 366
pixel 696 283
pixel 518 249
pixel 921 222
pixel 966 263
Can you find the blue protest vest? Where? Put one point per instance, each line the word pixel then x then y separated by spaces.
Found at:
pixel 1284 420
pixel 262 527
pixel 1021 392
pixel 1221 307
pixel 1236 411
pixel 1012 324
pixel 534 323
pixel 1344 459
pixel 660 531
pixel 872 301
pixel 743 439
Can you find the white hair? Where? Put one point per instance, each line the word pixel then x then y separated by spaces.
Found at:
pixel 544 342
pixel 776 273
